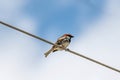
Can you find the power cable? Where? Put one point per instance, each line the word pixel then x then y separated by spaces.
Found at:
pixel 44 40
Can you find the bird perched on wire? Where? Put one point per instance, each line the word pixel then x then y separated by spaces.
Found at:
pixel 63 42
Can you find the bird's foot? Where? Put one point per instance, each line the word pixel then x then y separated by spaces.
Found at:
pixel 67 49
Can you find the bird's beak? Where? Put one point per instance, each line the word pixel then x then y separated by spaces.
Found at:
pixel 72 36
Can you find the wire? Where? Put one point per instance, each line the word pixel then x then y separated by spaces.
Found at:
pixel 44 40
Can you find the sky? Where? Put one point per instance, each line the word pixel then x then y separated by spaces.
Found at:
pixel 94 23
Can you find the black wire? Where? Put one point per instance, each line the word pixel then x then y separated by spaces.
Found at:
pixel 39 38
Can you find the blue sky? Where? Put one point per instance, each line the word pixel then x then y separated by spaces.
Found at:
pixel 94 23
pixel 61 15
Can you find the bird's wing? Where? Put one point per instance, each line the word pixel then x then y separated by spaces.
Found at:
pixel 60 40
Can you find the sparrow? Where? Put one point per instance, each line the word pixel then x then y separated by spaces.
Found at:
pixel 63 42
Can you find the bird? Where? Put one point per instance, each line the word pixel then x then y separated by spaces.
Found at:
pixel 62 42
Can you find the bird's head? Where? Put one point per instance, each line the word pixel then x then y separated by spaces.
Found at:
pixel 68 35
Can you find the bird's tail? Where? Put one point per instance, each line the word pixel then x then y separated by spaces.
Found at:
pixel 48 52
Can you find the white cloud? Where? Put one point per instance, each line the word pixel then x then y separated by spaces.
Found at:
pixel 16 49
pixel 10 8
pixel 27 23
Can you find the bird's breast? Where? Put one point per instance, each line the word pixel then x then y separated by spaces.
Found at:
pixel 65 44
